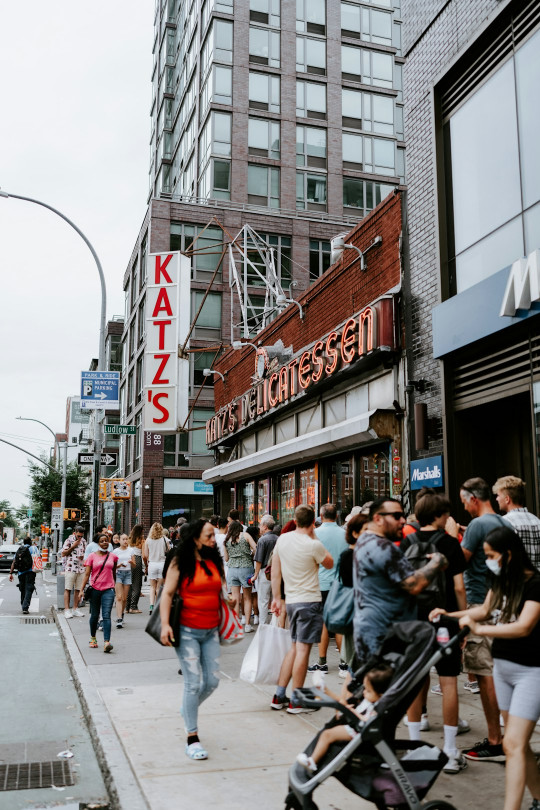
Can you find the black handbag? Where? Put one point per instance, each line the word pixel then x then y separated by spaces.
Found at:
pixel 153 628
pixel 89 588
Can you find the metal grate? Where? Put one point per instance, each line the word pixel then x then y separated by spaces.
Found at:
pixel 27 775
pixel 35 620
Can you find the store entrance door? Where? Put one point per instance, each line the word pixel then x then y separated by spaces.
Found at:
pixel 493 440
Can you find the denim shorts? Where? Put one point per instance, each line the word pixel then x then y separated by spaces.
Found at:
pixel 123 576
pixel 239 576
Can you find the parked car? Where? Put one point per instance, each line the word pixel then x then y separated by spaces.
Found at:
pixel 7 555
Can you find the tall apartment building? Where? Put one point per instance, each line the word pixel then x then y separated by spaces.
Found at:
pixel 284 116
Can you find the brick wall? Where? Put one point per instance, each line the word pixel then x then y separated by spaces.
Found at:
pixel 341 291
pixel 438 31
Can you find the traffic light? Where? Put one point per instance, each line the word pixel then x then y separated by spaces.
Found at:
pixel 72 514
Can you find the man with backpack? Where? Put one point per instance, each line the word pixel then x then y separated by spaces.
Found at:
pixel 446 591
pixel 27 578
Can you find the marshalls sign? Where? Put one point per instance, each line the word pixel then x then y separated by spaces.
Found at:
pixel 427 472
pixel 166 376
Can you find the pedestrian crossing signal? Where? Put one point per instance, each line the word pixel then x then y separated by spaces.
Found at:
pixel 72 514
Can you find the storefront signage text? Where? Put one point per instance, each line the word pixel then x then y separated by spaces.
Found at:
pixel 427 472
pixel 167 322
pixel 523 286
pixel 357 338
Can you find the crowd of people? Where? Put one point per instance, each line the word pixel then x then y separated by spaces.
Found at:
pixel 423 566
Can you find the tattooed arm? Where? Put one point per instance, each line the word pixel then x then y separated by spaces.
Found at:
pixel 421 578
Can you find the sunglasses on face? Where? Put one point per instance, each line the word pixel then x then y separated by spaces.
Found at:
pixel 395 515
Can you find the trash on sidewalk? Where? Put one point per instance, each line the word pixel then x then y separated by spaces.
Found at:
pixel 65 754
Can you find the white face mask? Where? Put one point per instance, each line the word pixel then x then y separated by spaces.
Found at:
pixel 494 566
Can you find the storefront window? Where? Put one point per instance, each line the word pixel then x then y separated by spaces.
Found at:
pixel 341 486
pixel 263 498
pixel 247 510
pixel 308 488
pixel 136 501
pixel 536 405
pixel 286 497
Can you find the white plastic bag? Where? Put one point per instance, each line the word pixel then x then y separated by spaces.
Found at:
pixel 265 654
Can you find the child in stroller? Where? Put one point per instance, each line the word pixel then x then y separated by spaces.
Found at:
pixel 376 682
pixel 374 764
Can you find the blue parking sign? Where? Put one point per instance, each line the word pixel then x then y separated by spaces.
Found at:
pixel 100 389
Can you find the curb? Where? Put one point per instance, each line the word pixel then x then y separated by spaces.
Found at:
pixel 120 780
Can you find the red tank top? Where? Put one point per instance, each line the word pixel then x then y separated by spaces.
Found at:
pixel 200 608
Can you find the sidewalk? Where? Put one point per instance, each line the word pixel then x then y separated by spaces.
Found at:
pixel 251 747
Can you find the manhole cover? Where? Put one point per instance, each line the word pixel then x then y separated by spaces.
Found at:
pixel 35 620
pixel 27 775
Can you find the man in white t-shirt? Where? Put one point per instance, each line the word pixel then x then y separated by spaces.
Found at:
pixel 297 556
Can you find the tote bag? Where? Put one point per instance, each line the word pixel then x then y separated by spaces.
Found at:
pixel 338 609
pixel 262 662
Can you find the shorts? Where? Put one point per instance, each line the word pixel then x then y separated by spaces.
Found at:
pixel 123 576
pixel 477 654
pixel 306 621
pixel 324 597
pixel 155 570
pixel 238 577
pixel 518 689
pixel 73 581
pixel 450 665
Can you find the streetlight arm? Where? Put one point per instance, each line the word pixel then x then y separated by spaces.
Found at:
pixel 29 419
pixel 101 363
pixel 16 446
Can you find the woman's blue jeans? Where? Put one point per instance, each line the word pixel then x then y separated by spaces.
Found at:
pixel 199 659
pixel 101 600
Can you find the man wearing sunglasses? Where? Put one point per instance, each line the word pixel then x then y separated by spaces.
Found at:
pixel 385 581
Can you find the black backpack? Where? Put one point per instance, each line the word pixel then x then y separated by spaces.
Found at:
pixel 23 559
pixel 434 595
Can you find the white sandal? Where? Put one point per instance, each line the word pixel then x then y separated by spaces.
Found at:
pixel 196 751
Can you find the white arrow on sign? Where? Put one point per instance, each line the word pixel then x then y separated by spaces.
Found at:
pixel 107 459
pixel 101 395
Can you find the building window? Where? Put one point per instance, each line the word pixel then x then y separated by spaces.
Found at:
pixel 217 87
pixel 310 99
pixel 265 11
pixel 264 46
pixel 311 55
pixel 132 341
pixel 311 16
pixel 281 246
pixel 218 45
pixel 174 449
pixel 319 258
pixel 130 392
pixel 367 24
pixel 221 6
pixel 199 418
pixel 364 194
pixel 141 323
pixel 263 185
pixel 492 159
pixel 215 137
pixel 139 380
pixel 310 191
pixel 376 155
pixel 263 138
pixel 264 92
pixel 144 250
pixel 134 284
pixel 127 302
pixel 206 245
pixel 368 67
pixel 200 361
pixel 311 147
pixel 209 321
pixel 368 111
pixel 215 180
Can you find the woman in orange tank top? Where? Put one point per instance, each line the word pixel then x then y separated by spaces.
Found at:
pixel 196 573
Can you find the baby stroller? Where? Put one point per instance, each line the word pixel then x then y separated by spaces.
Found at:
pixel 371 764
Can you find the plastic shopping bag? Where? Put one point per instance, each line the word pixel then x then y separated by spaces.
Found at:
pixel 265 654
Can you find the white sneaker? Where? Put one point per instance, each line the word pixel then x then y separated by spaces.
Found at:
pixel 462 726
pixel 68 614
pixel 424 723
pixel 455 764
pixel 248 628
pixel 243 619
pixel 78 613
pixel 255 620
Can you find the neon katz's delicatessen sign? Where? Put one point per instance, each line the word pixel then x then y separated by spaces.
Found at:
pixel 369 332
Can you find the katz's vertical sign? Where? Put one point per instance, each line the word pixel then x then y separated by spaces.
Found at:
pixel 166 376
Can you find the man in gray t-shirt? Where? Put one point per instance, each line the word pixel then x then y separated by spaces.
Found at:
pixel 265 547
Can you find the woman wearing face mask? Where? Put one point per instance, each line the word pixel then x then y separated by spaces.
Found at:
pixel 514 601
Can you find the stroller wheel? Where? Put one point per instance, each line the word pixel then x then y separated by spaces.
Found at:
pixel 438 805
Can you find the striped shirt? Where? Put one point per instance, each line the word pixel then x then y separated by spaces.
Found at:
pixel 527 526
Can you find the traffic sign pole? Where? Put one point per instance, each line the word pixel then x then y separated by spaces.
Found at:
pixel 62 506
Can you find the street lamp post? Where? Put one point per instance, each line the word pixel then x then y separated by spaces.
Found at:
pixel 31 419
pixel 101 359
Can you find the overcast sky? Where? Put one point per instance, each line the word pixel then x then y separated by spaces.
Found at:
pixel 75 97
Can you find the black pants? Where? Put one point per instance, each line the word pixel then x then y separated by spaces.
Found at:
pixel 136 584
pixel 26 586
